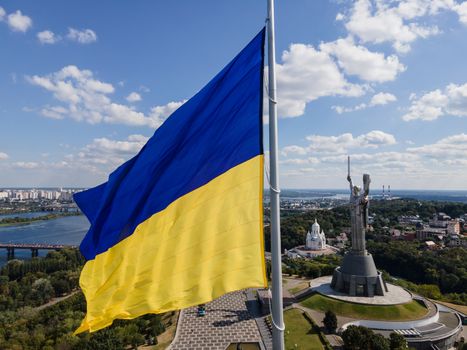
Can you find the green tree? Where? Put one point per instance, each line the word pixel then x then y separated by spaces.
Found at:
pixel 42 290
pixel 378 342
pixel 330 321
pixel 397 341
pixel 362 338
pixel 105 339
pixel 429 290
pixel 357 338
pixel 130 335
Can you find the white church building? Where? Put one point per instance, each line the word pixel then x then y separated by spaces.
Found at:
pixel 315 240
pixel 315 245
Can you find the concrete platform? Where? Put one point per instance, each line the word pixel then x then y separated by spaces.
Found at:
pixel 228 319
pixel 395 295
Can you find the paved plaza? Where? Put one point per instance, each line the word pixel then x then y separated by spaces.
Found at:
pixel 229 319
pixel 395 295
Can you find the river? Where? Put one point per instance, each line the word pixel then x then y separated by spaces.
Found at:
pixel 64 230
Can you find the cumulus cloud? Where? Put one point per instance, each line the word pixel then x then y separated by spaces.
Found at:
pixel 293 150
pixel 437 103
pixel 159 114
pixel 449 148
pixel 2 13
pixel 340 144
pixel 17 21
pixel 103 155
pixel 396 22
pixel 85 36
pixel 306 74
pixel 134 97
pixel 461 10
pixel 381 98
pixel 84 98
pixel 47 37
pixel 301 161
pixel 340 17
pixel 388 160
pixel 440 164
pixel 54 112
pixel 26 165
pixel 358 60
pixel 3 156
pixel 341 109
pixel 130 146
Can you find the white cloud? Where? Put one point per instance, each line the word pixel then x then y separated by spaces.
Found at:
pixel 3 156
pixel 377 21
pixel 339 145
pixel 381 98
pixel 47 37
pixel 128 147
pixel 341 109
pixel 386 160
pixel 26 165
pixel 85 36
pixel 449 148
pixel 103 155
pixel 358 60
pixel 307 74
pixel 441 164
pixel 2 13
pixel 293 150
pixel 160 113
pixel 91 163
pixel 461 10
pixel 437 103
pixel 134 97
pixel 342 143
pixel 18 22
pixel 54 112
pixel 85 98
pixel 300 161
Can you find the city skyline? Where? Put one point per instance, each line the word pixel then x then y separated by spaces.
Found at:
pixel 105 75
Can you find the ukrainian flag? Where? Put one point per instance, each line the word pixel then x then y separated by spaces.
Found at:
pixel 180 224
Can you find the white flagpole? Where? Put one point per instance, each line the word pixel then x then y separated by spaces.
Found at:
pixel 277 309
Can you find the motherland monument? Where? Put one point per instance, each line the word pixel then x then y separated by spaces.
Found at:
pixel 357 276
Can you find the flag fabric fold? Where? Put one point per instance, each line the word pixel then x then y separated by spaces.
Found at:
pixel 181 223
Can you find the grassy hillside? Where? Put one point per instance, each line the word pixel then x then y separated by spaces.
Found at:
pixel 409 311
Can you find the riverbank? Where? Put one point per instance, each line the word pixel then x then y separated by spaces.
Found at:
pixel 15 224
pixel 22 221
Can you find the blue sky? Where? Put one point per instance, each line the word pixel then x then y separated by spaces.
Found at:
pixel 85 83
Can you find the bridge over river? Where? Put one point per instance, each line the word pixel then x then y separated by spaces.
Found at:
pixel 34 247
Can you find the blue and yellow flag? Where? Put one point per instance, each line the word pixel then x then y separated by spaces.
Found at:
pixel 181 223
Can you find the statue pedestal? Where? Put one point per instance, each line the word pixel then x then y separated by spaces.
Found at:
pixel 358 276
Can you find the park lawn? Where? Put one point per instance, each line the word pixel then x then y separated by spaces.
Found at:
pixel 299 287
pixel 299 331
pixel 408 311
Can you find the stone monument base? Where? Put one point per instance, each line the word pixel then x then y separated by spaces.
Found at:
pixel 358 276
pixel 395 295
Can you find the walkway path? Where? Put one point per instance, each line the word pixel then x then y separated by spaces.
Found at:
pixel 228 319
pixel 319 316
pixel 55 301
